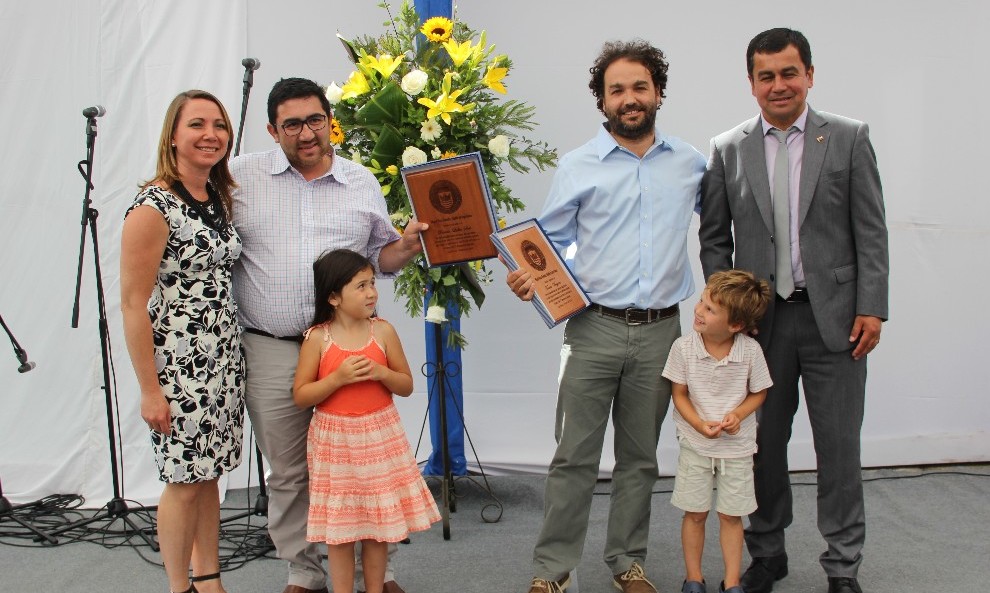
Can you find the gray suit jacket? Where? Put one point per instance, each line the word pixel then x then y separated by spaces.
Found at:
pixel 843 233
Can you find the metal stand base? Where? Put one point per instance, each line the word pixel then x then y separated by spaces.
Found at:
pixel 440 373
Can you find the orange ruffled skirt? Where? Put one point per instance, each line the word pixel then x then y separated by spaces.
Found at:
pixel 363 480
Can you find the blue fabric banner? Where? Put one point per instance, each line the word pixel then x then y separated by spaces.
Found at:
pixel 453 389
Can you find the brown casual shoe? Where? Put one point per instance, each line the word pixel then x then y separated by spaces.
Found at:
pixel 299 589
pixel 633 581
pixel 545 586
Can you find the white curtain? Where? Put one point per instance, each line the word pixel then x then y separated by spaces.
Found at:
pixel 911 73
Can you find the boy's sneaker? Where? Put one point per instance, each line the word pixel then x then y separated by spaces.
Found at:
pixel 633 581
pixel 694 587
pixel 544 586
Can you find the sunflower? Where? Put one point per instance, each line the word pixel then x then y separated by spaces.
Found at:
pixel 437 29
pixel 336 133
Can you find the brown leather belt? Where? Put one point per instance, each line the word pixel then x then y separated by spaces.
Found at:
pixel 636 316
pixel 800 295
pixel 258 332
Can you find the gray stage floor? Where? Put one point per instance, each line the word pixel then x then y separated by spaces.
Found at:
pixel 927 531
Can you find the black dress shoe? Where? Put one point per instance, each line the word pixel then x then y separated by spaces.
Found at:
pixel 763 572
pixel 843 585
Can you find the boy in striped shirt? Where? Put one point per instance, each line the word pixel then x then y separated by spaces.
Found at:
pixel 719 378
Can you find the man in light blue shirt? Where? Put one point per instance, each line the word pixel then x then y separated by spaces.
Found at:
pixel 624 202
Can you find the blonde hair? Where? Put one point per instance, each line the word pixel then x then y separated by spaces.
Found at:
pixel 744 297
pixel 167 168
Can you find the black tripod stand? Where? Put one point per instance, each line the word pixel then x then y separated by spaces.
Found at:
pixel 440 373
pixel 117 507
pixel 9 511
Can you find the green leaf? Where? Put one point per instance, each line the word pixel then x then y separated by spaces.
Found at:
pixel 389 146
pixel 385 107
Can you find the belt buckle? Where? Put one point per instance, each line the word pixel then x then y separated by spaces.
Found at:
pixel 633 322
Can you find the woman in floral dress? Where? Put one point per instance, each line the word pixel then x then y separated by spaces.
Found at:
pixel 177 249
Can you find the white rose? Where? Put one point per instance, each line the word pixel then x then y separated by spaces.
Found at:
pixel 413 156
pixel 334 93
pixel 499 146
pixel 414 82
pixel 436 314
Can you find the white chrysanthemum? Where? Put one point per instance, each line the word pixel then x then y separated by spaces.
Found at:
pixel 430 130
pixel 436 153
pixel 414 82
pixel 499 146
pixel 334 93
pixel 413 156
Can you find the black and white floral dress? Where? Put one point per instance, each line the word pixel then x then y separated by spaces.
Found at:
pixel 197 344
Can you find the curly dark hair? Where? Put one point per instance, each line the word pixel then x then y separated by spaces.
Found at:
pixel 295 88
pixel 636 50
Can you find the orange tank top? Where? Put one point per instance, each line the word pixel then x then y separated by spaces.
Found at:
pixel 357 398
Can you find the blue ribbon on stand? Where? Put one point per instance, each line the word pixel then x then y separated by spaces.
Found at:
pixel 454 388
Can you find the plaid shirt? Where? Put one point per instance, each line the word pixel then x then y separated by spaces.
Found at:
pixel 286 222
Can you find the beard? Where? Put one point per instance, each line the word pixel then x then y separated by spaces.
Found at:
pixel 636 131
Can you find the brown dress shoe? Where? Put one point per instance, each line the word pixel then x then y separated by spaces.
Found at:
pixel 298 589
pixel 390 587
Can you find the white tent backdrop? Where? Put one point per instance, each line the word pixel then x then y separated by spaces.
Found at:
pixel 909 69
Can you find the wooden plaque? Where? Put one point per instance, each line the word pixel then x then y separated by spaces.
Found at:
pixel 452 196
pixel 559 296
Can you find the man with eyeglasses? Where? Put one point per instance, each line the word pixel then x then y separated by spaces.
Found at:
pixel 293 203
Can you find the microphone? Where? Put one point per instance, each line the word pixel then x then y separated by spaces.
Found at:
pixel 91 112
pixel 251 63
pixel 27 366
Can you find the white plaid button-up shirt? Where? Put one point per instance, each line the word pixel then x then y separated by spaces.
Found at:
pixel 286 222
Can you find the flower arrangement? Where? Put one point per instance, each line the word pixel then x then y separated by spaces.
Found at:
pixel 412 99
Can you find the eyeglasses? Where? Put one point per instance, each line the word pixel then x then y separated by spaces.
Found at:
pixel 293 127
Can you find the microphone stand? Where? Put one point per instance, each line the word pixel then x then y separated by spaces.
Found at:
pixel 18 351
pixel 246 93
pixel 260 507
pixel 117 507
pixel 7 510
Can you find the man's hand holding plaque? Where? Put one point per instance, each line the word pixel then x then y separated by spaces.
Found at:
pixel 537 272
pixel 452 197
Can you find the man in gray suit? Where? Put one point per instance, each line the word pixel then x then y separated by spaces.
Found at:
pixel 802 192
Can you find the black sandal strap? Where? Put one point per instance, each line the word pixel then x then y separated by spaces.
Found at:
pixel 191 589
pixel 205 577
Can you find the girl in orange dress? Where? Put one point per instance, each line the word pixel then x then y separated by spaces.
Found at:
pixel 364 484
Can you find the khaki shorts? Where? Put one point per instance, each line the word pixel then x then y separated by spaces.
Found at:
pixel 698 474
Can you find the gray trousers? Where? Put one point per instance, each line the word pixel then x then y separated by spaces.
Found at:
pixel 281 428
pixel 834 391
pixel 606 367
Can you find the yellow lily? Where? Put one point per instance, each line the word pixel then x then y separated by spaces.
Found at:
pixel 494 77
pixel 479 50
pixel 446 103
pixel 384 64
pixel 355 86
pixel 458 51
